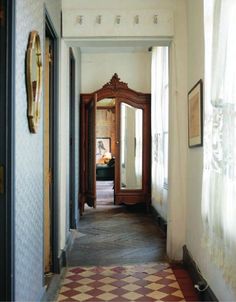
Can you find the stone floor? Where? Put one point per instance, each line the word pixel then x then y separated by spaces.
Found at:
pixel 141 283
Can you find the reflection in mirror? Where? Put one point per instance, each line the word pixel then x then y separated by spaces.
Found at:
pixel 131 144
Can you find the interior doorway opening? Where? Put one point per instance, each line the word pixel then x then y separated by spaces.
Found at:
pixel 51 264
pixel 72 112
pixel 105 152
pixel 47 161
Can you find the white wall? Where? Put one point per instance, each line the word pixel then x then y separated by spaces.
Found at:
pixel 195 162
pixel 108 10
pixel 64 139
pixel 176 231
pixel 133 68
pixel 63 147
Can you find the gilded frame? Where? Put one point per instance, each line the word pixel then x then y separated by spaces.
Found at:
pixel 33 80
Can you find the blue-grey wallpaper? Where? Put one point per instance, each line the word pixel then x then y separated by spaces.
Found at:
pixel 29 159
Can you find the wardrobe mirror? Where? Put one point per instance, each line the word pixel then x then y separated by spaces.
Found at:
pixel 131 147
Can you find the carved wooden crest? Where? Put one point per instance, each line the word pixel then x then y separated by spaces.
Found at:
pixel 115 83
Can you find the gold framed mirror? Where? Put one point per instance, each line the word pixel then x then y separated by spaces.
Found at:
pixel 33 80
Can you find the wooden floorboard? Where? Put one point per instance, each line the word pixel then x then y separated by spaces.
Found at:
pixel 117 235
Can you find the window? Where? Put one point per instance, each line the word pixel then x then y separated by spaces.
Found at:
pixel 160 108
pixel 219 178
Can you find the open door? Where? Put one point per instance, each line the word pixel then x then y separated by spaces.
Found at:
pixel 132 170
pixel 88 153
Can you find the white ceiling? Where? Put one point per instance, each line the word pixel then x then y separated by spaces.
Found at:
pixel 123 4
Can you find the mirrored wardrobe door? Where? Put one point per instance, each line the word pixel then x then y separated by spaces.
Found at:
pixel 131 147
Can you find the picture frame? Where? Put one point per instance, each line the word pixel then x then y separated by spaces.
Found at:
pixel 103 145
pixel 195 115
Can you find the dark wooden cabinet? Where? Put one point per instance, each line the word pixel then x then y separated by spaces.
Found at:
pixel 132 173
pixel 104 172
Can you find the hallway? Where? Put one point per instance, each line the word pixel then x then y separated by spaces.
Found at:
pixel 119 255
pixel 117 235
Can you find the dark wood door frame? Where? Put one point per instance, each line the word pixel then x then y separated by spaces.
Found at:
pixel 51 34
pixel 73 204
pixel 87 187
pixel 7 92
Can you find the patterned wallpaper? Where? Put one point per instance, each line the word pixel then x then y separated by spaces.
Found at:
pixel 29 160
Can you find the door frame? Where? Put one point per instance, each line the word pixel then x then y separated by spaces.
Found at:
pixel 87 187
pixel 72 200
pixel 54 113
pixel 7 106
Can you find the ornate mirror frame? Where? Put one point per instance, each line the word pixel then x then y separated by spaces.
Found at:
pixel 33 80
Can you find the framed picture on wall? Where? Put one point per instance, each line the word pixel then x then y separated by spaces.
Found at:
pixel 103 145
pixel 195 115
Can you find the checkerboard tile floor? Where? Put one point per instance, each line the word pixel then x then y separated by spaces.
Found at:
pixel 139 283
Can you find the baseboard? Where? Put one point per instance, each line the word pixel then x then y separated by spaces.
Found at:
pixel 56 278
pixel 51 291
pixel 64 253
pixel 161 222
pixel 62 260
pixel 189 263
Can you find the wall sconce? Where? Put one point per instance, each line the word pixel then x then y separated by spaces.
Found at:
pixel 79 19
pixel 118 19
pixel 99 19
pixel 155 19
pixel 136 19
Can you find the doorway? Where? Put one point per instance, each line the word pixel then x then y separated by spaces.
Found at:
pixel 50 153
pixel 7 47
pixel 105 151
pixel 73 206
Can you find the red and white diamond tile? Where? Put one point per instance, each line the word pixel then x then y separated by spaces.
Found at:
pixel 139 283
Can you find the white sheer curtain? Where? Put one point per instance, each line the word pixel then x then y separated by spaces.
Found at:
pixel 159 96
pixel 219 175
